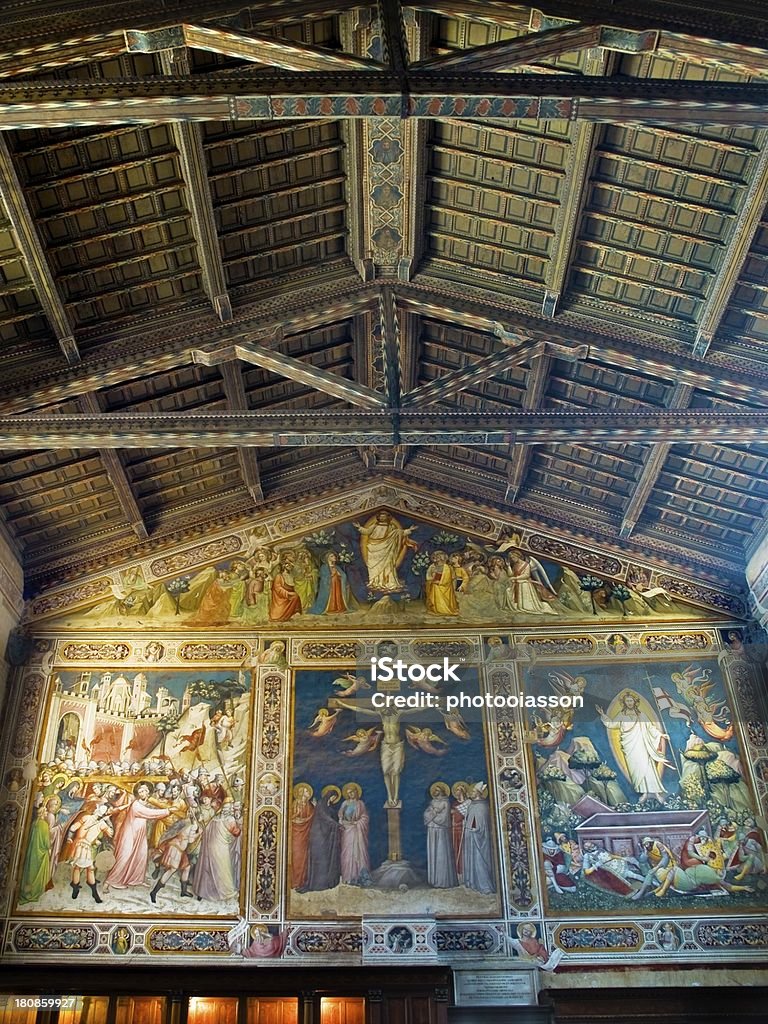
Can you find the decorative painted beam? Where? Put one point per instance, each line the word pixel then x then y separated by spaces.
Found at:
pixel 375 95
pixel 726 376
pixel 237 401
pixel 171 346
pixel 22 225
pixel 253 46
pixel 115 470
pixel 732 260
pixel 293 369
pixel 386 156
pixel 520 454
pixel 189 143
pixel 80 50
pixel 572 190
pixel 389 337
pixel 393 35
pixel 289 428
pixel 657 456
pixel 453 383
pixel 737 25
pixel 512 53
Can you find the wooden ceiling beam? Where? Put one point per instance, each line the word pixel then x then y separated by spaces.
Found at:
pixel 293 428
pixel 37 59
pixel 97 373
pixel 22 225
pixel 375 95
pixel 237 401
pixel 293 369
pixel 580 161
pixel 116 473
pixel 719 377
pixel 189 143
pixel 520 454
pixel 680 399
pixel 742 231
pixel 526 351
pixel 256 47
pixel 511 53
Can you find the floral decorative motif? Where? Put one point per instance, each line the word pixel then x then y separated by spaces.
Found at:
pixel 213 652
pixel 465 940
pixel 317 940
pixel 702 595
pixel 66 598
pixel 30 938
pixel 195 556
pixel 582 937
pixel 561 644
pixel 271 705
pixel 25 724
pixel 570 553
pixel 187 940
pixel 96 652
pixel 324 650
pixel 676 641
pixel 732 935
pixel 266 860
pixel 520 891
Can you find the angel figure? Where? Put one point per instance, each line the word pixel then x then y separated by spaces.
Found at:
pixel 365 740
pixel 424 740
pixel 323 723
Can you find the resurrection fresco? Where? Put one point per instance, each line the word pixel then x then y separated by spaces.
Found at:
pixel 644 803
pixel 390 808
pixel 138 806
pixel 383 569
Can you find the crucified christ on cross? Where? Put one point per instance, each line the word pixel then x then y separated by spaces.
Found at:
pixel 392 748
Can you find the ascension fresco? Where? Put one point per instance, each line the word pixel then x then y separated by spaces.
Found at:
pixel 643 801
pixel 383 570
pixel 139 802
pixel 390 808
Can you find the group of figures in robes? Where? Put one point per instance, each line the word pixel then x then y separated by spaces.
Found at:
pixel 329 838
pixel 377 566
pixel 329 844
pixel 181 829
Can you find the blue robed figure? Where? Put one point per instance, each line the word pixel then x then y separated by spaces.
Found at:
pixel 334 593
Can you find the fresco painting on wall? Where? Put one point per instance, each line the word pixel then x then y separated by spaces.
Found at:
pixel 139 801
pixel 643 802
pixel 390 808
pixel 381 570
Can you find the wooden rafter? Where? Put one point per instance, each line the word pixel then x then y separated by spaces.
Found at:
pixel 657 456
pixel 189 143
pixel 520 454
pixel 252 46
pixel 293 369
pixel 289 428
pixel 734 257
pixel 237 401
pixel 23 227
pixel 580 160
pixel 115 470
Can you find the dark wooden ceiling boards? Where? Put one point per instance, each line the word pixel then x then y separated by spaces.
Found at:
pixel 331 258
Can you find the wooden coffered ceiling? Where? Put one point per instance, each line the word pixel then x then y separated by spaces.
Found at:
pixel 253 252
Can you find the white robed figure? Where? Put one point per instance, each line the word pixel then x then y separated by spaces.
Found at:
pixel 441 864
pixel 638 742
pixel 384 543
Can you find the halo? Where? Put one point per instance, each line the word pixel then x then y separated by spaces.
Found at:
pixel 439 789
pixel 353 788
pixel 303 787
pixel 332 792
